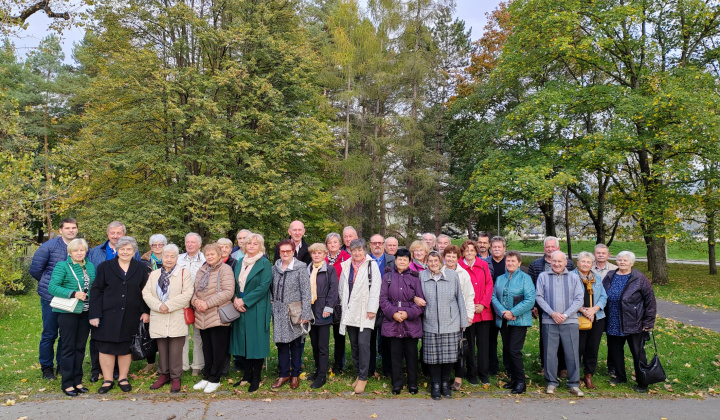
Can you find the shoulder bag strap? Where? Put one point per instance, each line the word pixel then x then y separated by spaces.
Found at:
pixel 76 279
pixel 369 274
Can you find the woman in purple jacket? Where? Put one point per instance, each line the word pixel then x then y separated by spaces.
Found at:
pixel 402 325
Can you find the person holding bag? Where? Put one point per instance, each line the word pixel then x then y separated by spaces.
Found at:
pixel 592 311
pixel 167 294
pixel 70 283
pixel 630 314
pixel 291 287
pixel 214 287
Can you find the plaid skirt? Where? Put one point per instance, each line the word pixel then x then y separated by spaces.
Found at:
pixel 441 348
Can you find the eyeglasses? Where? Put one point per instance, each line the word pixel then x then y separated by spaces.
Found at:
pixel 376 243
pixel 289 251
pixel 157 245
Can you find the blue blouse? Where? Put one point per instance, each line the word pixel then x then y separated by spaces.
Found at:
pixel 612 310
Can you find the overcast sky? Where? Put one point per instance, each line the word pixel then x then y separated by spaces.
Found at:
pixel 472 11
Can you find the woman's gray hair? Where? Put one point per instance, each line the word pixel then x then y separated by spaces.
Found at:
pixel 627 254
pixel 585 254
pixel 224 241
pixel 358 243
pixel 332 235
pixel 77 243
pixel 158 237
pixel 170 248
pixel 127 240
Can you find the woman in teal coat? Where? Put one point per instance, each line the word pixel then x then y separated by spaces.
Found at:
pixel 513 299
pixel 72 279
pixel 250 335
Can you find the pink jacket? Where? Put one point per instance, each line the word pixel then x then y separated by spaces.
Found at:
pixel 483 286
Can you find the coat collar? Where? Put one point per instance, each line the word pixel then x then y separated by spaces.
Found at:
pixel 115 265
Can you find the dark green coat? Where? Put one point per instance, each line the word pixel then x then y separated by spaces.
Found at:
pixel 250 335
pixel 63 283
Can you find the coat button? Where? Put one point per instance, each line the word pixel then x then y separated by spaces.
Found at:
pixel 122 296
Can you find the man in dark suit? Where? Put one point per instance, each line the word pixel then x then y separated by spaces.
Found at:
pixel 385 261
pixel 297 231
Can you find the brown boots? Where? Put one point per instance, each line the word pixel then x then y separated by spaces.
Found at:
pixel 588 381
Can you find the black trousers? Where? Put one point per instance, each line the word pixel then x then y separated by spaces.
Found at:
pixel 400 347
pixel 493 362
pixel 616 350
pixel 290 357
pixel 440 372
pixel 320 341
pixel 513 339
pixel 561 352
pixel 589 345
pixel 74 331
pixel 477 336
pixel 216 341
pixel 360 344
pixel 339 351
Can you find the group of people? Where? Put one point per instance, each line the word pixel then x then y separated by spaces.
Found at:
pixel 453 301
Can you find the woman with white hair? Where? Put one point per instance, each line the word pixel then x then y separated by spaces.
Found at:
pixel 594 301
pixel 167 294
pixel 630 314
pixel 116 306
pixel 153 258
pixel 73 278
pixel 226 251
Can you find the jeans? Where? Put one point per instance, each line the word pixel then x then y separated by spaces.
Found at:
pixel 290 357
pixel 48 336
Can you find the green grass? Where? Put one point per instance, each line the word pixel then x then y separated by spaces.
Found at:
pixel 689 354
pixel 676 250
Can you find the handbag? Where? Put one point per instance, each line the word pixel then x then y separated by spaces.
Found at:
pixel 463 351
pixel 66 304
pixel 653 372
pixel 585 324
pixel 227 312
pixel 142 345
pixel 188 312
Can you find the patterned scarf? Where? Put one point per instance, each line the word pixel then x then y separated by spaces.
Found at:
pixel 331 260
pixel 313 281
pixel 356 268
pixel 588 281
pixel 164 281
pixel 205 279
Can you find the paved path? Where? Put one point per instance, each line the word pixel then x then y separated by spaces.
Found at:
pixel 525 407
pixel 669 260
pixel 706 318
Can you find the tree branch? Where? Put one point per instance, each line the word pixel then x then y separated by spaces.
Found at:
pixel 41 5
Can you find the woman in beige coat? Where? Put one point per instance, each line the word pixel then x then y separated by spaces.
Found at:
pixel 214 287
pixel 167 293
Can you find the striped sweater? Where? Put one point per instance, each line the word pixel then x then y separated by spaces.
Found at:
pixel 561 293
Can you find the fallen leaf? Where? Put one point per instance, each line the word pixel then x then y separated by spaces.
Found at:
pixel 572 402
pixel 373 416
pixel 220 414
pixel 687 365
pixel 22 397
pixel 517 401
pixel 133 399
pixel 41 389
pixel 267 400
pixel 23 418
pixel 9 402
pixel 23 380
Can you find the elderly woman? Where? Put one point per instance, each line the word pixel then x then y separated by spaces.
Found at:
pixel 592 309
pixel 335 258
pixel 72 278
pixel 444 318
pixel 451 254
pixel 290 285
pixel 513 300
pixel 478 333
pixel 225 251
pixel 630 314
pixel 419 251
pixel 324 297
pixel 402 323
pixel 214 287
pixel 359 291
pixel 251 332
pixel 241 238
pixel 153 258
pixel 116 307
pixel 167 293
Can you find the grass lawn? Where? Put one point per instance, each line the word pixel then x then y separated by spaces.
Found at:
pixel 690 355
pixel 676 250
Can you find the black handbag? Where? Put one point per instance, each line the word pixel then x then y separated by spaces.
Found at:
pixel 653 372
pixel 463 351
pixel 142 345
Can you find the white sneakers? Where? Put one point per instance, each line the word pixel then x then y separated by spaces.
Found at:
pixel 576 391
pixel 200 385
pixel 212 387
pixel 550 389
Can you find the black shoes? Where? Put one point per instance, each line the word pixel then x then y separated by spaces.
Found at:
pixel 519 388
pixel 47 373
pixel 105 388
pixel 445 390
pixel 473 380
pixel 509 385
pixel 313 376
pixel 413 390
pixel 318 382
pixel 94 377
pixel 435 391
pixel 71 393
pixel 126 387
pixel 81 390
pixel 396 391
pixel 641 389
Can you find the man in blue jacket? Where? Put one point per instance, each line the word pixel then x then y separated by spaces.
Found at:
pixel 41 268
pixel 98 255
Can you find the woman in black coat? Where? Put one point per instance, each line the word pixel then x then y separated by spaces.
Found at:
pixel 324 291
pixel 116 307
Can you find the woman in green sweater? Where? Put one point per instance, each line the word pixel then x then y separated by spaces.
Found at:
pixel 72 279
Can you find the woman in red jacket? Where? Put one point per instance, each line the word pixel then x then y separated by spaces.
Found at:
pixel 335 258
pixel 478 333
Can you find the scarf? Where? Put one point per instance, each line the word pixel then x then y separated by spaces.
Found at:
pixel 205 279
pixel 164 280
pixel 247 265
pixel 313 281
pixel 331 260
pixel 420 264
pixel 156 263
pixel 356 268
pixel 588 281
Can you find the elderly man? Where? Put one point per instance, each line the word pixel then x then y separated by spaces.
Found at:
pixel 430 240
pixel 483 249
pixel 442 242
pixel 560 294
pixel 101 253
pixel 349 235
pixel 297 232
pixel 192 259
pixel 602 266
pixel 391 245
pixel 238 252
pixel 384 261
pixel 41 268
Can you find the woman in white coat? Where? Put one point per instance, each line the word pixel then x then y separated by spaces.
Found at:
pixel 359 290
pixel 167 294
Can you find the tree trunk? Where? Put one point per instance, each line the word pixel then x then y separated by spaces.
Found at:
pixel 567 224
pixel 711 243
pixel 657 261
pixel 548 212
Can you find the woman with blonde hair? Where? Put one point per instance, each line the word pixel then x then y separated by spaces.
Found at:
pixel 419 251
